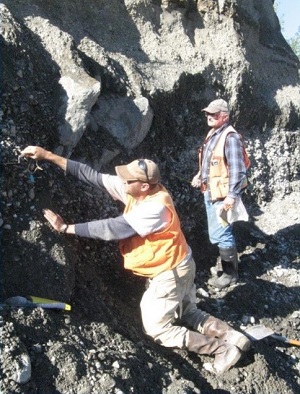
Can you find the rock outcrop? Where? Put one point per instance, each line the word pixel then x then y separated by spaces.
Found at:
pixel 115 74
pixel 111 65
pixel 106 81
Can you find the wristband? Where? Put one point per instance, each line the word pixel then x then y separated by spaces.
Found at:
pixel 65 228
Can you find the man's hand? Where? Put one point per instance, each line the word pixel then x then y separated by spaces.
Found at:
pixel 35 153
pixel 196 181
pixel 228 203
pixel 54 219
pixel 38 153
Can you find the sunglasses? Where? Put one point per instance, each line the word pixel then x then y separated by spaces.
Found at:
pixel 130 182
pixel 143 166
pixel 215 116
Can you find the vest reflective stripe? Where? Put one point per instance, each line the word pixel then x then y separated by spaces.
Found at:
pixel 161 251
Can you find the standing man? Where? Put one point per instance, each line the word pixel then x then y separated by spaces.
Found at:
pixel 221 178
pixel 152 245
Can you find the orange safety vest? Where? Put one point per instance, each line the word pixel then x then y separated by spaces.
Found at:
pixel 157 252
pixel 218 175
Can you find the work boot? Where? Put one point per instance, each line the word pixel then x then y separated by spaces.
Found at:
pixel 217 328
pixel 217 269
pixel 227 359
pixel 226 355
pixel 229 276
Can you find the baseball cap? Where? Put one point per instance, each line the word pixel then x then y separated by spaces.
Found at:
pixel 218 105
pixel 143 170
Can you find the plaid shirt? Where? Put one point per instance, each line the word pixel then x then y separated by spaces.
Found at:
pixel 234 159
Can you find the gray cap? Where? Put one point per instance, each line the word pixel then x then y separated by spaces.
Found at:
pixel 218 105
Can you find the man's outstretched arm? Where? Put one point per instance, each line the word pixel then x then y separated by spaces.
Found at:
pixel 106 229
pixel 38 153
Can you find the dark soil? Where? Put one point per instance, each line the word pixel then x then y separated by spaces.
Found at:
pixel 99 346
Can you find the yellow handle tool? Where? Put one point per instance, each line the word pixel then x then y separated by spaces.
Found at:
pixel 285 340
pixel 47 303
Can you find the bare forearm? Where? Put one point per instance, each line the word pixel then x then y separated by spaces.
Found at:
pixel 69 229
pixel 38 153
pixel 57 160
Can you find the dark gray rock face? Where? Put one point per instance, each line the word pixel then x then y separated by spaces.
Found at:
pixel 105 82
pixel 171 57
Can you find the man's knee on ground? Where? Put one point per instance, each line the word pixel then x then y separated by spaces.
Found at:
pixel 153 329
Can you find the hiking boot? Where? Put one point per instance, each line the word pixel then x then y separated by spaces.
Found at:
pixel 203 344
pixel 240 341
pixel 217 269
pixel 217 328
pixel 226 355
pixel 223 281
pixel 227 358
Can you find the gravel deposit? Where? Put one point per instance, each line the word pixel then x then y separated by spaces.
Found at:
pixel 164 54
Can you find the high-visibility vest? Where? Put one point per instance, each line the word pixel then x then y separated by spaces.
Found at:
pixel 157 252
pixel 218 175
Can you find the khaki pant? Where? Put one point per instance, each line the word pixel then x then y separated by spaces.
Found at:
pixel 168 306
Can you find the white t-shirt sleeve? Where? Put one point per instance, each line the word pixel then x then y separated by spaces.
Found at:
pixel 115 187
pixel 148 217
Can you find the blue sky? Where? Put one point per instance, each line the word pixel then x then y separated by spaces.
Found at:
pixel 288 11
